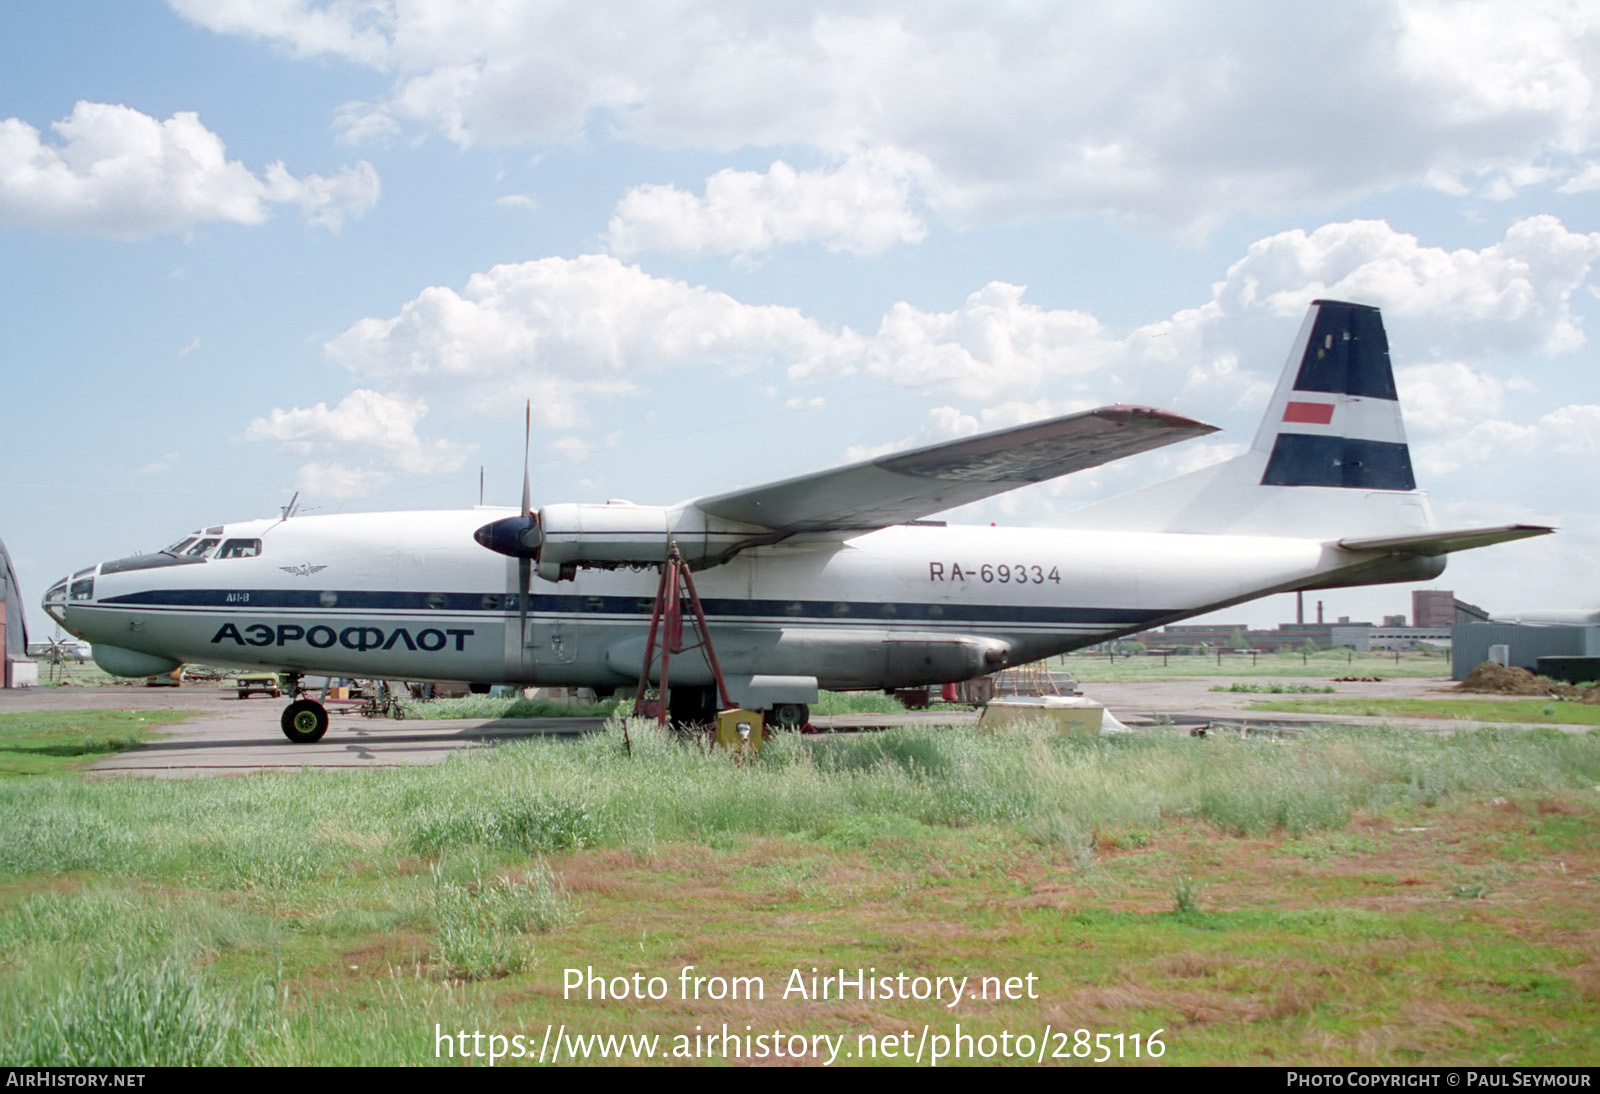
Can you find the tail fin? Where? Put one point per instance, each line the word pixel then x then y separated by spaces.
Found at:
pixel 1335 419
pixel 1329 460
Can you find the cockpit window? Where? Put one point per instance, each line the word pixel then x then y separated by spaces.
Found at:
pixel 240 548
pixel 83 588
pixel 178 547
pixel 202 548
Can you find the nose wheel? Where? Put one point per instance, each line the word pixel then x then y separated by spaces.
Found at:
pixel 304 721
pixel 790 715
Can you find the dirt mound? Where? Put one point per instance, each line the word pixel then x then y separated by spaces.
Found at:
pixel 1499 680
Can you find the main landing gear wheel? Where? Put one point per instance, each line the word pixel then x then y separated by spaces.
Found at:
pixel 304 721
pixel 692 706
pixel 790 715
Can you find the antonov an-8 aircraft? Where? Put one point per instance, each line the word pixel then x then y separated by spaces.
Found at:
pixel 830 580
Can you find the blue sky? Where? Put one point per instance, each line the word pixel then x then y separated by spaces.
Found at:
pixel 260 246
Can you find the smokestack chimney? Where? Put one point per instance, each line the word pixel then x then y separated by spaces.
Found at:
pixel 1300 606
pixel 1319 613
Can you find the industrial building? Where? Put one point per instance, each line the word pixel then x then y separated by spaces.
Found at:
pixel 1435 613
pixel 1564 645
pixel 19 670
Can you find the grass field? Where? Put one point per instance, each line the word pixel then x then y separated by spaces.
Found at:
pixel 1498 711
pixel 1352 897
pixel 44 742
pixel 1098 668
pixel 483 706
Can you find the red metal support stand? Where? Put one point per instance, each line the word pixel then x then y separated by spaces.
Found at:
pixel 667 620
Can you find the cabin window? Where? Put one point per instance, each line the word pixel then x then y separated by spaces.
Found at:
pixel 240 548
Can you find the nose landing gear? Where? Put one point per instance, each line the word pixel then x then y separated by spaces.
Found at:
pixel 304 721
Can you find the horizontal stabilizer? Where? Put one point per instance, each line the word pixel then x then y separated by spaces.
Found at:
pixel 910 485
pixel 1444 541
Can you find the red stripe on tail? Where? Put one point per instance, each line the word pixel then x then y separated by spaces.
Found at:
pixel 1311 413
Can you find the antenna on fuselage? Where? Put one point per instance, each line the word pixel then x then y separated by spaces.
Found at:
pixel 288 510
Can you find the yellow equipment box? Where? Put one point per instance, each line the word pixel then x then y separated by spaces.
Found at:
pixel 1074 715
pixel 739 730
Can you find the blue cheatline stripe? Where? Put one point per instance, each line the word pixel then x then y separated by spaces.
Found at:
pixel 1348 353
pixel 500 603
pixel 1303 459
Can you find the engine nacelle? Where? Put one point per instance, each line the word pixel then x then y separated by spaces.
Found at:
pixel 617 533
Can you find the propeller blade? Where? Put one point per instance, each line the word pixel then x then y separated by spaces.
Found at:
pixel 525 564
pixel 524 579
pixel 517 536
pixel 527 441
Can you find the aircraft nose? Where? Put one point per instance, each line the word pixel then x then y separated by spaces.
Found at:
pixel 55 601
pixel 78 587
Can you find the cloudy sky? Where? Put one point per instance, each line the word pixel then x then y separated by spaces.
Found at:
pixel 254 247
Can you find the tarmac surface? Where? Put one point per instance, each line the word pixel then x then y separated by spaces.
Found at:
pixel 230 735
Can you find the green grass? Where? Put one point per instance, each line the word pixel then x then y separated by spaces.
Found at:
pixel 856 702
pixel 484 927
pixel 77 674
pixel 141 1014
pixel 1350 897
pixel 1097 668
pixel 1274 689
pixel 483 706
pixel 49 742
pixel 1525 711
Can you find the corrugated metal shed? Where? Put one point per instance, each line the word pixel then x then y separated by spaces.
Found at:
pixel 1527 642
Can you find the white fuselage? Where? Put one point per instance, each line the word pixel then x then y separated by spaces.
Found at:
pixel 411 596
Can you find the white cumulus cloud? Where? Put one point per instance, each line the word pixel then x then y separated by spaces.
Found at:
pixel 1175 120
pixel 862 207
pixel 1516 292
pixel 567 332
pixel 375 432
pixel 116 172
pixel 573 334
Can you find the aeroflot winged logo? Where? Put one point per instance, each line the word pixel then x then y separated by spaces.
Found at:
pixel 305 569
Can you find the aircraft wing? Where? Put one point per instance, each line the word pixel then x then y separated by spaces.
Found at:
pixel 910 485
pixel 1444 541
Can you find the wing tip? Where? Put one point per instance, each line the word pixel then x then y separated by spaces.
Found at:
pixel 1130 414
